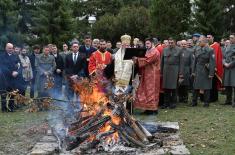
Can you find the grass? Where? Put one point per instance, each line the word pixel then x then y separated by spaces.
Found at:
pixel 13 129
pixel 207 131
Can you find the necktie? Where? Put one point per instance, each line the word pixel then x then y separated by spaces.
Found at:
pixel 75 58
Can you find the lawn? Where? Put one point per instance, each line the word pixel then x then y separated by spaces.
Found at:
pixel 207 131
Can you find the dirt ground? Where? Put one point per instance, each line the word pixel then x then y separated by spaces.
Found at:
pixel 19 131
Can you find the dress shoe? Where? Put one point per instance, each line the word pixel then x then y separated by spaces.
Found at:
pixel 227 103
pixel 206 105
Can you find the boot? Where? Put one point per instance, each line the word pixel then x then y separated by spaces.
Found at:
pixel 233 105
pixel 194 104
pixel 206 104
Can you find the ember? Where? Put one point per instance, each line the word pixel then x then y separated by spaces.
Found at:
pixel 103 120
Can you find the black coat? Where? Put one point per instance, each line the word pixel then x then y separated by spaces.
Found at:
pixel 87 53
pixel 75 69
pixel 59 64
pixel 8 65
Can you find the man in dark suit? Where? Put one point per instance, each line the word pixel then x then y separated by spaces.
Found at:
pixel 87 49
pixel 58 73
pixel 10 68
pixel 32 58
pixel 75 65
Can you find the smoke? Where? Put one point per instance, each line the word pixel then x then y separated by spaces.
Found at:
pixel 64 113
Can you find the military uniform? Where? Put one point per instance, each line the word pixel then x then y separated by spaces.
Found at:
pixel 229 73
pixel 171 67
pixel 44 64
pixel 185 84
pixel 203 67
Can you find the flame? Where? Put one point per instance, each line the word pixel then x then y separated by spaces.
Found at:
pixel 92 99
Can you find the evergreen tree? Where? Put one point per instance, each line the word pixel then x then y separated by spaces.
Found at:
pixel 228 16
pixel 131 20
pixel 8 23
pixel 52 21
pixel 208 17
pixel 170 18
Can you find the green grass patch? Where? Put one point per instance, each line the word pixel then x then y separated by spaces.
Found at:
pixel 207 131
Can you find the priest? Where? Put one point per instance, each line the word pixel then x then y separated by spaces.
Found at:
pixel 122 68
pixel 217 80
pixel 99 59
pixel 147 95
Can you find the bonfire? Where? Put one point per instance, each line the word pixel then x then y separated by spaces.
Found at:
pixel 102 122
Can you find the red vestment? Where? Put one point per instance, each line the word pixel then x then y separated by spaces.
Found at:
pixel 147 95
pixel 218 61
pixel 160 48
pixel 99 60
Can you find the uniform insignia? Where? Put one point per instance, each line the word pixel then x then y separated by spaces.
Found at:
pixel 213 56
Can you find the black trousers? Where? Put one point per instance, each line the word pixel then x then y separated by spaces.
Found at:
pixel 229 94
pixel 57 88
pixel 183 93
pixel 214 91
pixel 170 98
pixel 32 87
pixel 206 96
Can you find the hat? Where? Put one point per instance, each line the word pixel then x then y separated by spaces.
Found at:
pixel 126 39
pixel 196 35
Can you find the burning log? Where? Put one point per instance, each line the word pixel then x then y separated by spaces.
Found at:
pixel 129 138
pixel 73 142
pixel 96 125
pixel 97 140
pixel 78 124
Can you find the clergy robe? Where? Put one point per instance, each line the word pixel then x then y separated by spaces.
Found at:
pixel 147 95
pixel 218 60
pixel 122 70
pixel 160 48
pixel 99 60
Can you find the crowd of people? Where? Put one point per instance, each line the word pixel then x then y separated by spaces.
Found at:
pixel 165 75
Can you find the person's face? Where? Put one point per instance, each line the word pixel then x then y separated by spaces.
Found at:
pixel 75 48
pixel 171 43
pixel 88 42
pixel 222 42
pixel 148 44
pixel 24 52
pixel 190 43
pixel 9 48
pixel 54 49
pixel 118 45
pixel 95 44
pixel 135 42
pixel 195 38
pixel 232 39
pixel 36 51
pixel 46 50
pixel 184 44
pixel 202 42
pixel 109 45
pixel 102 45
pixel 227 42
pixel 65 47
pixel 140 44
pixel 165 42
pixel 17 50
pixel 210 38
pixel 179 43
